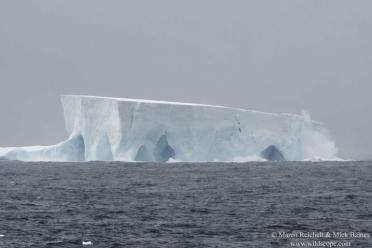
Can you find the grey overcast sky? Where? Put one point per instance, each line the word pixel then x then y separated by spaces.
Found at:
pixel 276 56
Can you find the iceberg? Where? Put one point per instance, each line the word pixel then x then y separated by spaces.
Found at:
pixel 105 129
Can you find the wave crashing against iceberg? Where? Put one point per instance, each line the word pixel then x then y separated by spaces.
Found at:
pixel 103 128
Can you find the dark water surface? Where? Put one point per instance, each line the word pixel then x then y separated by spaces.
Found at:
pixel 181 205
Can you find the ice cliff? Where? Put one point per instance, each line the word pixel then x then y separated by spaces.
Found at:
pixel 102 128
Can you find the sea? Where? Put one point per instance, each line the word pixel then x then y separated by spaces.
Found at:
pixel 118 204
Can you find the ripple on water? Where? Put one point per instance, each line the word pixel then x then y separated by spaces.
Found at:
pixel 167 205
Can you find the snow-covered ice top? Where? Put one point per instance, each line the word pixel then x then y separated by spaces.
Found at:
pixel 105 128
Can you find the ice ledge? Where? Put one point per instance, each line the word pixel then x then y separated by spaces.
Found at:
pixel 134 100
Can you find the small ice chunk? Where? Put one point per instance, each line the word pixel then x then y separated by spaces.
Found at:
pixel 87 242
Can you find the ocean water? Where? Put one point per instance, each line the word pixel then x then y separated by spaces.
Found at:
pixel 114 204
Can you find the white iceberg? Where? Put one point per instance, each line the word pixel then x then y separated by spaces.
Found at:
pixel 103 128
